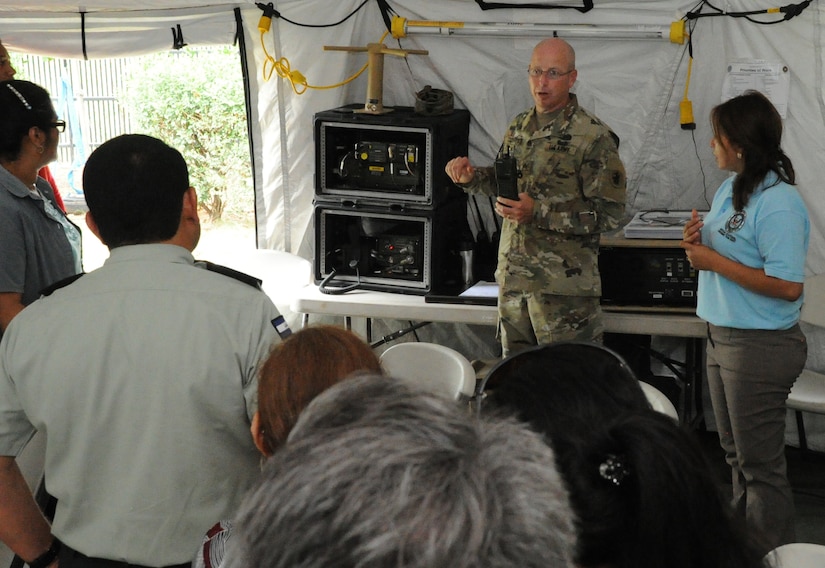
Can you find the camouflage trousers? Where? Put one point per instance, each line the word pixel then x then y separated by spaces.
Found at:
pixel 527 319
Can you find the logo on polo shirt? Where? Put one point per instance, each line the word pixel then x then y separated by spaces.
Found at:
pixel 735 222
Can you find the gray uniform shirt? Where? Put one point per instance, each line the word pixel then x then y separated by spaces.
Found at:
pixel 145 397
pixel 34 250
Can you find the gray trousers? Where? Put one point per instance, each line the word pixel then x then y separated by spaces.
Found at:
pixel 750 373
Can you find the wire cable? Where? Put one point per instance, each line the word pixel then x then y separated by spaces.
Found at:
pixel 701 170
pixel 282 67
pixel 271 11
pixel 787 11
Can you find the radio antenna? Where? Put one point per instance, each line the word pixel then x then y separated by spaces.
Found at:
pixel 375 78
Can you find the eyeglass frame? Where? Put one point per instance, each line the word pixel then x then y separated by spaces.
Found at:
pixel 553 74
pixel 60 125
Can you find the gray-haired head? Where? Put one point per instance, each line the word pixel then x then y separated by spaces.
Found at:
pixel 379 474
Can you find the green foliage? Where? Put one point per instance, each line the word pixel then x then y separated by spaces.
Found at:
pixel 194 101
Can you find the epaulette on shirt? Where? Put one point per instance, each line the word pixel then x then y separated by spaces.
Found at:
pixel 49 290
pixel 279 323
pixel 232 273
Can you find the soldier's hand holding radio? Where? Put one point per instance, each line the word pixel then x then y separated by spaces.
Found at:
pixel 512 205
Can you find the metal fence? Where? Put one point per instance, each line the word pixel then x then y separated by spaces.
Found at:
pixel 93 98
pixel 86 95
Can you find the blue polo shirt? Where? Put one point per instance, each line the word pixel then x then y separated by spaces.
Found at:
pixel 771 233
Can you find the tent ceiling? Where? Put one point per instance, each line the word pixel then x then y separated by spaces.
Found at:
pixel 115 34
pixel 110 6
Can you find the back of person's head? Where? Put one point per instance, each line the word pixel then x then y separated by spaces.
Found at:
pixel 134 186
pixel 564 385
pixel 751 122
pixel 300 368
pixel 644 495
pixel 378 473
pixel 23 105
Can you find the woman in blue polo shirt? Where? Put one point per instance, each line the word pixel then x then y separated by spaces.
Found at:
pixel 750 251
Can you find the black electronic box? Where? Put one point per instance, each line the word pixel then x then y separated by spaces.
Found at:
pixel 387 216
pixel 378 249
pixel 647 276
pixel 397 158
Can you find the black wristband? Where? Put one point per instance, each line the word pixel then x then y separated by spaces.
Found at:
pixel 47 557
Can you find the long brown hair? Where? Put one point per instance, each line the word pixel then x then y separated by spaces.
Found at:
pixel 751 122
pixel 300 368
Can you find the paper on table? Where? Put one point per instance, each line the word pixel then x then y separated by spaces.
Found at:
pixel 481 289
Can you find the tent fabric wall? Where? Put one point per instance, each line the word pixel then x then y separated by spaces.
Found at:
pixel 633 85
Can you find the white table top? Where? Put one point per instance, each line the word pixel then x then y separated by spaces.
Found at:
pixel 370 304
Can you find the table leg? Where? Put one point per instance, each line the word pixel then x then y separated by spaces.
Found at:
pixel 694 357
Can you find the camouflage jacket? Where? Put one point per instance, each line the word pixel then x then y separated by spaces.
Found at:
pixel 572 169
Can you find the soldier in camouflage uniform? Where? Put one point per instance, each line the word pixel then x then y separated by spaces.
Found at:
pixel 571 189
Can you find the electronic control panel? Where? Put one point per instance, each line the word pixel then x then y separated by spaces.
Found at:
pixel 396 158
pixel 647 276
pixel 382 165
pixel 378 249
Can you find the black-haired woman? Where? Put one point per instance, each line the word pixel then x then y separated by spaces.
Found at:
pixel 750 251
pixel 39 245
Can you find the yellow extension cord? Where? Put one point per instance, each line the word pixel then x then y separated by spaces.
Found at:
pixel 686 107
pixel 282 67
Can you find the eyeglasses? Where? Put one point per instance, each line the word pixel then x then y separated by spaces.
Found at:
pixel 59 124
pixel 552 74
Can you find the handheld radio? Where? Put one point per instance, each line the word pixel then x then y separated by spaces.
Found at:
pixel 506 170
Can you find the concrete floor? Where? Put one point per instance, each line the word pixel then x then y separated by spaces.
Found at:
pixel 806 471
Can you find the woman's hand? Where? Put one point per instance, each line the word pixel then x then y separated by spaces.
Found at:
pixel 692 231
pixel 699 256
pixel 702 257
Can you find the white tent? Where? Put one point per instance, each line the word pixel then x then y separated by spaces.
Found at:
pixel 635 85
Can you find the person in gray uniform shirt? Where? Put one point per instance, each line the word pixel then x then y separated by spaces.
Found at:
pixel 148 391
pixel 39 245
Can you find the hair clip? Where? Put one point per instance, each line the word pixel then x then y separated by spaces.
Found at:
pixel 19 96
pixel 613 470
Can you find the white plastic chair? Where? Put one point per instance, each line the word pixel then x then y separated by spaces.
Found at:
pixel 435 367
pixel 797 555
pixel 808 392
pixel 659 401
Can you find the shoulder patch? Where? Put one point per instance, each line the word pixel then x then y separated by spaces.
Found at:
pixel 49 290
pixel 231 272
